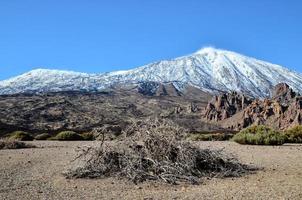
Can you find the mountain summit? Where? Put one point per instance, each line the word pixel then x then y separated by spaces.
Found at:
pixel 209 69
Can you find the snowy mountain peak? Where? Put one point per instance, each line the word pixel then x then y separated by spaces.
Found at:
pixel 212 51
pixel 209 69
pixel 208 50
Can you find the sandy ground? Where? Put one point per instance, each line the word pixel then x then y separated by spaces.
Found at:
pixel 36 174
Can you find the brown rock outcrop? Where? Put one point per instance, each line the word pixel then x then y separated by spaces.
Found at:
pixel 226 105
pixel 282 111
pixel 283 93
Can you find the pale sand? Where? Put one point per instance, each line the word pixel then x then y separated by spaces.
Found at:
pixel 36 174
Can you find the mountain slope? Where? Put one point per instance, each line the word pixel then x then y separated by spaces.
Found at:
pixel 209 69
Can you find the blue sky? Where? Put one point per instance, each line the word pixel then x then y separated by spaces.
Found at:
pixel 99 35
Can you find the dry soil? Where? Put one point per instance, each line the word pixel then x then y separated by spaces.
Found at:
pixel 36 174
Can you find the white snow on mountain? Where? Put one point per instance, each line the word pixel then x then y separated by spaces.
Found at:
pixel 209 69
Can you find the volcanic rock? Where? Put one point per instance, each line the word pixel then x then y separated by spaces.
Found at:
pixel 226 105
pixel 282 111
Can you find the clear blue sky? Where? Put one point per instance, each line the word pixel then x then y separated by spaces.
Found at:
pixel 99 35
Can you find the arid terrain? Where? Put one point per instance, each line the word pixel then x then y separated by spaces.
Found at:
pixel 36 174
pixel 81 112
pixel 150 100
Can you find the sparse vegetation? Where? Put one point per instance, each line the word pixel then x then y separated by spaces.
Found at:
pixel 88 136
pixel 67 136
pixel 294 134
pixel 21 136
pixel 260 135
pixel 43 136
pixel 210 136
pixel 13 144
pixel 153 150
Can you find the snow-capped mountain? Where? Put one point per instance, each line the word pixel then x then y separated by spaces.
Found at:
pixel 208 69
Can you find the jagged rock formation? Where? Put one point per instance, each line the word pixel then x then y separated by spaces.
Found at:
pixel 283 110
pixel 226 105
pixel 273 113
pixel 283 93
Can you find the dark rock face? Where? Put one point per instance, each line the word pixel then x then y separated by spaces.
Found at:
pixel 158 89
pixel 281 112
pixel 226 105
pixel 148 88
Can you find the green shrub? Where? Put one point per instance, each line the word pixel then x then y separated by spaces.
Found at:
pixel 210 136
pixel 259 135
pixel 294 135
pixel 21 136
pixel 67 136
pixel 43 136
pixel 88 136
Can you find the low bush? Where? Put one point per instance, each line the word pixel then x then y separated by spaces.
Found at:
pixel 43 136
pixel 21 136
pixel 88 136
pixel 153 150
pixel 294 134
pixel 67 136
pixel 259 135
pixel 13 144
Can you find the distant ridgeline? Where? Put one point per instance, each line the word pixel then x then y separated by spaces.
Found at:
pixel 211 70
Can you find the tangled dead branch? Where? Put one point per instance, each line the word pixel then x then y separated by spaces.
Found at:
pixel 13 144
pixel 153 150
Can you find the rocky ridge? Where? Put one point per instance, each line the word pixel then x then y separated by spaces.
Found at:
pixel 84 111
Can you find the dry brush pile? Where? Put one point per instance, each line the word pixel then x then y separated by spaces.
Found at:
pixel 13 144
pixel 153 150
